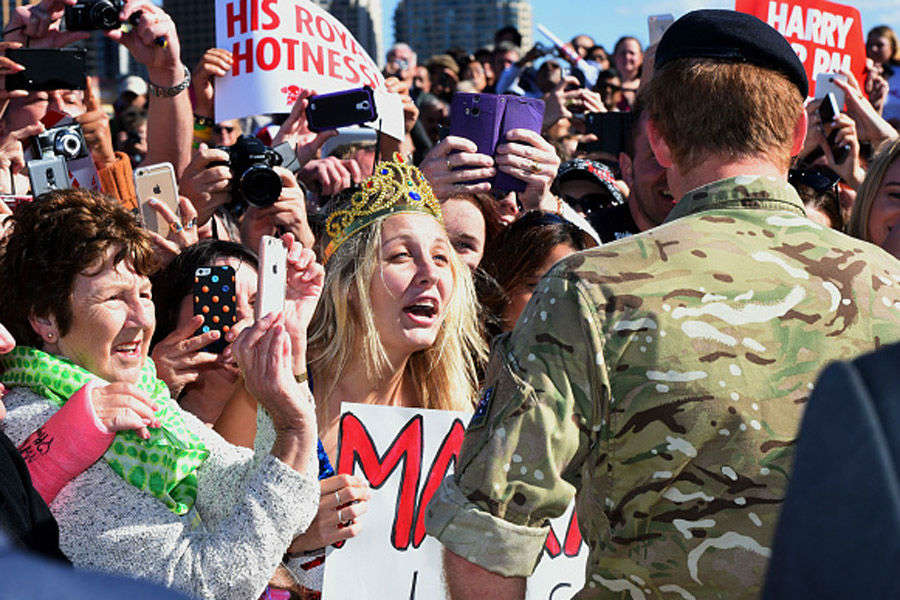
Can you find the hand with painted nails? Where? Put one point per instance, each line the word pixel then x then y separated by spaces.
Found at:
pixel 453 166
pixel 183 231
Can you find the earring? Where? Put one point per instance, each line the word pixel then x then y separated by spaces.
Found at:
pixel 50 337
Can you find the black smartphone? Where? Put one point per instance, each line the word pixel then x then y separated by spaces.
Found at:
pixel 340 109
pixel 48 69
pixel 611 128
pixel 215 299
pixel 829 109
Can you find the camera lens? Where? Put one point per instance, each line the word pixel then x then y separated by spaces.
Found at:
pixel 68 145
pixel 104 15
pixel 261 185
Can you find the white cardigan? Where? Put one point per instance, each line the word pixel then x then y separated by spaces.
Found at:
pixel 251 505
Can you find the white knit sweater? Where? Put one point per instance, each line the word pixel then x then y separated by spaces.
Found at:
pixel 251 505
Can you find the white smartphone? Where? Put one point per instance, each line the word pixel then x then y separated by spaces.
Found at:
pixel 272 282
pixel 156 181
pixel 657 25
pixel 824 84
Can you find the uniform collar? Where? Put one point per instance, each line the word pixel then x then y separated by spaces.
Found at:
pixel 743 191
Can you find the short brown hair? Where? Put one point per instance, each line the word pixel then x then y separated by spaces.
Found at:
pixel 705 108
pixel 52 240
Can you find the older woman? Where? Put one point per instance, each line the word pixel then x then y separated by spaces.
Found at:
pixel 183 507
pixel 876 213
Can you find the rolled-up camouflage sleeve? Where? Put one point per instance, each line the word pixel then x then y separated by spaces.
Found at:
pixel 520 460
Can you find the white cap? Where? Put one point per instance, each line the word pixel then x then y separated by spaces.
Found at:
pixel 134 84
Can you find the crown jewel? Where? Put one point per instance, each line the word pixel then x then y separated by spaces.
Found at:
pixel 395 187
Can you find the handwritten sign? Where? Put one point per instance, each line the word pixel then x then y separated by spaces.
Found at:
pixel 281 46
pixel 825 35
pixel 405 454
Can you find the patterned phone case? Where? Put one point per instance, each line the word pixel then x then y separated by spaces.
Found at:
pixel 214 298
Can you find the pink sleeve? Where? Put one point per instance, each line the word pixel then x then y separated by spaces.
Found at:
pixel 68 443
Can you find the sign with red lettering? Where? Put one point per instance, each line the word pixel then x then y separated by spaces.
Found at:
pixel 405 453
pixel 825 35
pixel 281 46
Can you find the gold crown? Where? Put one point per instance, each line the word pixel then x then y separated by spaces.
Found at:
pixel 395 187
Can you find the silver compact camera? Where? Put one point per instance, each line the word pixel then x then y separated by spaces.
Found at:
pixel 66 141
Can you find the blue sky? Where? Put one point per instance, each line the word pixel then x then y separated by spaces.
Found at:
pixel 607 20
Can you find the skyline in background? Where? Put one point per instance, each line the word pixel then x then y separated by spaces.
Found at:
pixel 607 20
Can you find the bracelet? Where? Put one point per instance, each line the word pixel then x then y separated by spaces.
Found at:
pixel 302 378
pixel 168 92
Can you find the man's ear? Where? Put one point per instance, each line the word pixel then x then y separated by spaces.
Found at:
pixel 627 168
pixel 799 133
pixel 660 148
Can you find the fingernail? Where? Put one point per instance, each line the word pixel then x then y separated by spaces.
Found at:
pixel 147 421
pixel 214 334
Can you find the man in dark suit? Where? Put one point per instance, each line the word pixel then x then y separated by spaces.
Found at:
pixel 839 531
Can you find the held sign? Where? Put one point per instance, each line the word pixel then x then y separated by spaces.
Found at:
pixel 405 453
pixel 283 46
pixel 826 36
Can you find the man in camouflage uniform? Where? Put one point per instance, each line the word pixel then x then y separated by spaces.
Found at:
pixel 661 379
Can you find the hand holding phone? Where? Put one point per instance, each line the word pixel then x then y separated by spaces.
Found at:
pixel 272 283
pixel 216 301
pixel 829 109
pixel 156 182
pixel 340 109
pixel 47 69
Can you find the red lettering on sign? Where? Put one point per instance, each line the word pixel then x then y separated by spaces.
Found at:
pixel 268 42
pixel 348 62
pixel 370 81
pixel 231 17
pixel 290 50
pixel 274 21
pixel 447 454
pixel 572 545
pixel 303 20
pixel 357 447
pixel 334 62
pixel 318 61
pixel 246 57
pixel 320 22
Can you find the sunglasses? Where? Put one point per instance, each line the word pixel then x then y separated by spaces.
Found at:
pixel 220 129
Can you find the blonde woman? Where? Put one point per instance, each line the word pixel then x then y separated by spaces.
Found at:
pixel 397 323
pixel 876 213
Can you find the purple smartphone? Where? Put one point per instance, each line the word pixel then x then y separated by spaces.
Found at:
pixel 477 117
pixel 520 113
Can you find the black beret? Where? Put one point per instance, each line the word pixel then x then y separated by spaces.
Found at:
pixel 731 36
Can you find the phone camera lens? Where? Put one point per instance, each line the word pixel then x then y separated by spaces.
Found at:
pixel 475 112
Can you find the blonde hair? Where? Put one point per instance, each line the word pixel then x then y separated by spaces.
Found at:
pixel 445 375
pixel 858 226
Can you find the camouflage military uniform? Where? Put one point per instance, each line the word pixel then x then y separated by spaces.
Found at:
pixel 663 377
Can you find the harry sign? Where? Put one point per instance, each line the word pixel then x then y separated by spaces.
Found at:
pixel 405 453
pixel 281 46
pixel 826 36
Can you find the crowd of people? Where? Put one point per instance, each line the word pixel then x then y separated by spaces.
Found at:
pixel 640 328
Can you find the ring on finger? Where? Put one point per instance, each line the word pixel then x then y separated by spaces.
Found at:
pixel 190 224
pixel 337 497
pixel 449 166
pixel 177 227
pixel 340 515
pixel 533 167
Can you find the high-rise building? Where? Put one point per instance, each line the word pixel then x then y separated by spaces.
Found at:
pixel 195 20
pixel 433 26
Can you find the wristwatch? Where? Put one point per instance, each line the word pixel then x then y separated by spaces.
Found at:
pixel 168 92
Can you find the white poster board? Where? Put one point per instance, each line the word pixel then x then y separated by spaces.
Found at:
pixel 281 46
pixel 405 453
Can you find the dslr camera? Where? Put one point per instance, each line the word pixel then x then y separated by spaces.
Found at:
pixel 93 15
pixel 252 175
pixel 66 142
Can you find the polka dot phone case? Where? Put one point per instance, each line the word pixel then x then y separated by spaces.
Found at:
pixel 214 298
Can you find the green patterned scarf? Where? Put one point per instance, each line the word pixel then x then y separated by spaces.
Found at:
pixel 164 465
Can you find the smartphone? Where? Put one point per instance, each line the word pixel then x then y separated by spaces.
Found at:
pixel 340 109
pixel 657 25
pixel 272 284
pixel 520 113
pixel 610 129
pixel 48 69
pixel 478 117
pixel 215 299
pixel 48 174
pixel 828 110
pixel 825 85
pixel 156 181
